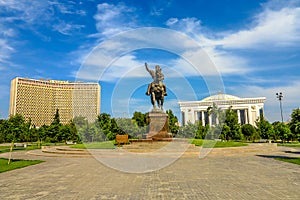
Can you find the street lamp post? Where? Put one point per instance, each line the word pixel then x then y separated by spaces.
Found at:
pixel 279 96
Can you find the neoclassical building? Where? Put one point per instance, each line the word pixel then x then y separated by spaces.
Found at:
pixel 248 109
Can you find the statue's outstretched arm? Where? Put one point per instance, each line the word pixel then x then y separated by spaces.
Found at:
pixel 146 65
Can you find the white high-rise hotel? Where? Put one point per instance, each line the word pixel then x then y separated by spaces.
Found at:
pixel 248 109
pixel 38 100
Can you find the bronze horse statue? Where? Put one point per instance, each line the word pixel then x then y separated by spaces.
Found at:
pixel 157 94
pixel 156 89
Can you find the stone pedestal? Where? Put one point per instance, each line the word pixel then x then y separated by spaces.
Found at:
pixel 158 125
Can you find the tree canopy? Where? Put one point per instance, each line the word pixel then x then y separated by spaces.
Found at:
pixel 17 129
pixel 295 124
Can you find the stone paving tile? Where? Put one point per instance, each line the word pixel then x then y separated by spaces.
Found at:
pixel 213 177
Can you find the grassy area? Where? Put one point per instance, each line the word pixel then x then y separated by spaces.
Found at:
pixel 217 144
pixel 229 144
pixel 290 160
pixel 296 144
pixel 4 149
pixel 52 144
pixel 16 164
pixel 197 142
pixel 95 145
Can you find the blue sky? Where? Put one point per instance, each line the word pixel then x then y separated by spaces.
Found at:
pixel 247 48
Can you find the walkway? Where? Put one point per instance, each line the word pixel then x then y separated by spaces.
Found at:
pixel 220 175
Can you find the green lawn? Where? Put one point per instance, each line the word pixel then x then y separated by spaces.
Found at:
pixel 296 144
pixel 95 145
pixel 197 142
pixel 229 144
pixel 53 144
pixel 217 144
pixel 4 149
pixel 16 164
pixel 290 160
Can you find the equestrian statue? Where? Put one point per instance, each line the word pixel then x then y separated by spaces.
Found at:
pixel 157 89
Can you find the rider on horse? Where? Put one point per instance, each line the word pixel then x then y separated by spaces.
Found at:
pixel 157 86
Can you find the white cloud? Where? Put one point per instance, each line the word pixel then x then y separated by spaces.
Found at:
pixel 26 11
pixel 171 21
pixel 5 51
pixel 112 19
pixel 7 31
pixel 17 15
pixel 159 7
pixel 34 14
pixel 225 62
pixel 68 8
pixel 125 66
pixel 67 28
pixel 187 25
pixel 271 28
pixel 118 50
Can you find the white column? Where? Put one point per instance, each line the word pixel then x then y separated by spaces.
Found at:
pixel 203 118
pixel 250 115
pixel 209 120
pixel 239 116
pixel 257 112
pixel 193 120
pixel 246 116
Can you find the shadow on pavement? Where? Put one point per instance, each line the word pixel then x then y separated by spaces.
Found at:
pixel 293 152
pixel 276 156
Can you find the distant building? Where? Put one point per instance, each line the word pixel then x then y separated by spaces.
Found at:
pixel 248 109
pixel 38 100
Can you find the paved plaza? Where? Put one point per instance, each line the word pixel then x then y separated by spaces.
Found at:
pixel 232 173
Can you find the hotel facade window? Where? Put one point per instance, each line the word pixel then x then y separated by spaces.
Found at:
pixel 247 109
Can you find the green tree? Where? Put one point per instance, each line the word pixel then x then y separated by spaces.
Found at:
pixel 130 127
pixel 231 129
pixel 114 130
pixel 104 121
pixel 139 118
pixel 225 132
pixel 295 124
pixel 173 122
pixel 80 123
pixel 264 128
pixel 187 131
pixel 33 133
pixel 15 128
pixel 201 130
pixel 3 125
pixel 87 134
pixel 74 136
pixel 27 133
pixel 249 132
pixel 97 133
pixel 54 134
pixel 282 131
pixel 109 126
pixel 42 133
pixel 56 119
